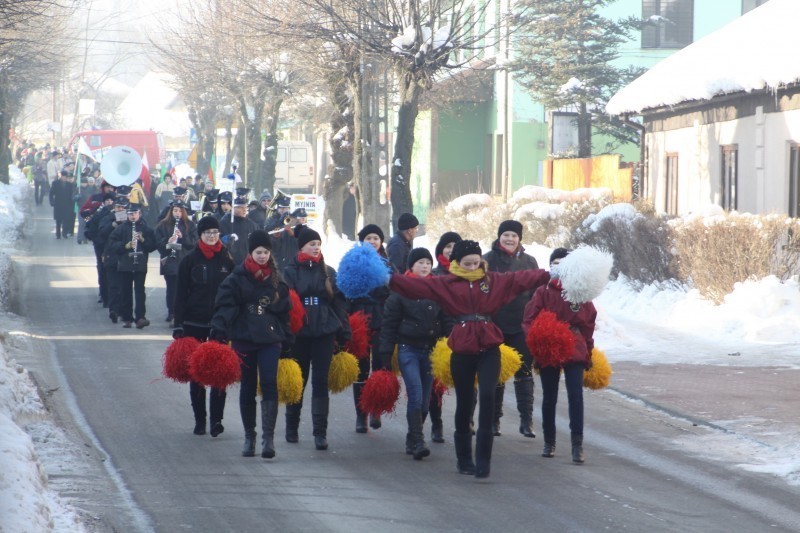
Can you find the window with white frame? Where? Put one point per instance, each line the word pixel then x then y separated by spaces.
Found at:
pixel 730 176
pixel 671 188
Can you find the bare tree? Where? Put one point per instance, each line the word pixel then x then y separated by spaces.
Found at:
pixel 32 45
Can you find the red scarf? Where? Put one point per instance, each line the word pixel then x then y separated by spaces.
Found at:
pixel 208 250
pixel 512 254
pixel 412 275
pixel 305 257
pixel 445 262
pixel 259 272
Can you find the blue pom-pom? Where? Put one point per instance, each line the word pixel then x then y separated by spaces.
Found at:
pixel 360 271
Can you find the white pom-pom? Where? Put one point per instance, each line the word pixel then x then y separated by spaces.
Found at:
pixel 584 274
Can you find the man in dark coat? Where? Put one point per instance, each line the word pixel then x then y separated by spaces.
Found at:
pixel 62 198
pixel 275 221
pixel 92 233
pixel 508 255
pixel 234 234
pixel 132 241
pixel 403 241
pixel 259 214
pixel 349 213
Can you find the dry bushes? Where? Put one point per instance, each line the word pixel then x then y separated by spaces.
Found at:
pixel 641 243
pixel 716 253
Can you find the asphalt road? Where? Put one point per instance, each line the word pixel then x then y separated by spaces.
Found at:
pixel 144 470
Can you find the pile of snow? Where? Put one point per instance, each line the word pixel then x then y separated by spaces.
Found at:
pixel 622 212
pixel 468 202
pixel 533 193
pixel 540 210
pixel 26 502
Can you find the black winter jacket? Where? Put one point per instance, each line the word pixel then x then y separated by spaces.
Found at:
pixel 324 315
pixel 198 281
pixel 242 227
pixel 284 249
pixel 106 226
pixel 416 322
pixel 92 228
pixel 398 249
pixel 252 311
pixel 509 317
pixel 188 242
pixel 121 236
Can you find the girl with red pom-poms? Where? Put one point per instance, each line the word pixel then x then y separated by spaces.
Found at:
pixel 252 310
pixel 580 318
pixel 200 273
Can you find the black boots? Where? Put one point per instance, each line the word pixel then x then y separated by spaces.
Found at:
pixel 577 448
pixel 499 392
pixel 269 414
pixel 216 428
pixel 319 418
pixel 463 443
pixel 523 388
pixel 549 449
pixel 375 421
pixel 293 420
pixel 249 423
pixel 483 452
pixel 197 394
pixel 437 433
pixel 417 436
pixel 361 417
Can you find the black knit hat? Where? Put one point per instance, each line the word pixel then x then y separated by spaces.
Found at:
pixel 370 228
pixel 559 253
pixel 258 238
pixel 463 249
pixel 510 225
pixel 306 236
pixel 206 223
pixel 416 254
pixel 445 239
pixel 407 221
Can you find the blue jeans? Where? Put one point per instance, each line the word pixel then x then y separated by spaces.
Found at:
pixel 415 366
pixel 573 379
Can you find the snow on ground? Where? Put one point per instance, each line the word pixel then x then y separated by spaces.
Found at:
pixel 27 503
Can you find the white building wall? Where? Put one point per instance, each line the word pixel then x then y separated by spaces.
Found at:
pixel 763 165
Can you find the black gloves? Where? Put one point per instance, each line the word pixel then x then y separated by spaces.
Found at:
pixel 286 349
pixel 218 336
pixel 177 333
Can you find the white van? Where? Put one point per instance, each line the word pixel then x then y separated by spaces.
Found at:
pixel 294 171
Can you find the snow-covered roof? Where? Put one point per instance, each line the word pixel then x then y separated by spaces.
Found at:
pixel 757 51
pixel 151 105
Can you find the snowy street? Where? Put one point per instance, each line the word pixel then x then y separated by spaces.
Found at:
pixel 671 446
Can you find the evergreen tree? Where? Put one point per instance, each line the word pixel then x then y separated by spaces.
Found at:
pixel 564 55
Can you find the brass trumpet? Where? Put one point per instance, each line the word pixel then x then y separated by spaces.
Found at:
pixel 273 205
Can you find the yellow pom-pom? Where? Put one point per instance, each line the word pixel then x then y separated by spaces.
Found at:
pixel 395 362
pixel 599 376
pixel 440 363
pixel 343 373
pixel 290 381
pixel 510 362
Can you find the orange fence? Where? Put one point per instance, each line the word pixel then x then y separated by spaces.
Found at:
pixel 600 171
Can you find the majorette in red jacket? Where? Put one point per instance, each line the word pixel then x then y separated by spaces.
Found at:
pixel 460 298
pixel 580 318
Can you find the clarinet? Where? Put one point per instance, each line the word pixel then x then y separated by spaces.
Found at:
pixel 174 247
pixel 135 253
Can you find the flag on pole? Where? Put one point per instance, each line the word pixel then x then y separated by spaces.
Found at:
pixel 145 173
pixel 84 149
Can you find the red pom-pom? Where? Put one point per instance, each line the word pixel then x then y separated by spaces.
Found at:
pixel 380 393
pixel 215 365
pixel 358 344
pixel 297 315
pixel 176 359
pixel 439 390
pixel 550 340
